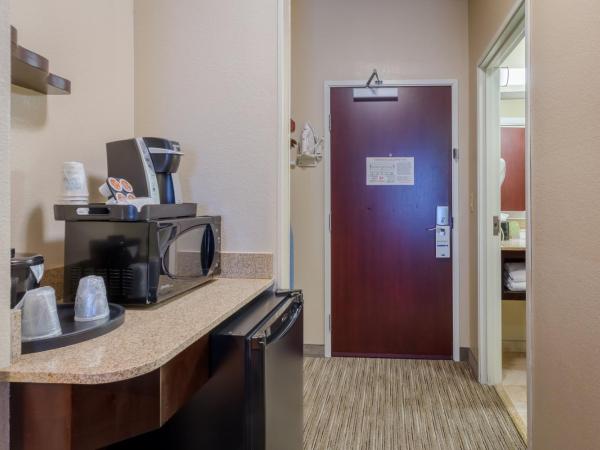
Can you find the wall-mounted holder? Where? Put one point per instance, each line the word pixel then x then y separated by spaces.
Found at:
pixel 306 160
pixel 309 153
pixel 32 71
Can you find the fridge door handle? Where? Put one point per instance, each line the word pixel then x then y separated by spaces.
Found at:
pixel 280 334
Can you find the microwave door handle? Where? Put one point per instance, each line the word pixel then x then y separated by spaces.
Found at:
pixel 164 246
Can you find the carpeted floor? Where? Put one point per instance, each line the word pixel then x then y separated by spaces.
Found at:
pixel 391 404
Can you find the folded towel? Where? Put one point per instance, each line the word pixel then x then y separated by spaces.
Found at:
pixel 520 276
pixel 514 266
pixel 515 285
pixel 516 271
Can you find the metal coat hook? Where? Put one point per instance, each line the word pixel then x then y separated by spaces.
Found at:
pixel 375 75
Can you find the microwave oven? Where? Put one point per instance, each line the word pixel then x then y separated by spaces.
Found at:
pixel 142 262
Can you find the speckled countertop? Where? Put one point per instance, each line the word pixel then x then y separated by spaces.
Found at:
pixel 148 338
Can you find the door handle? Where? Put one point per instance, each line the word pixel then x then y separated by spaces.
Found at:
pixel 431 229
pixel 297 310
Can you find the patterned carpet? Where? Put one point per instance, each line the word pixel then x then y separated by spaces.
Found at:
pixel 364 404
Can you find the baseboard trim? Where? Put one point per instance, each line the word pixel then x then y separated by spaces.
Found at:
pixel 467 355
pixel 514 346
pixel 473 364
pixel 315 351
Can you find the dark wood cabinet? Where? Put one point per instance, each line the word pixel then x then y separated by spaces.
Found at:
pixel 82 416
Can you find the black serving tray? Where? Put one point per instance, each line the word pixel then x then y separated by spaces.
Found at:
pixel 75 332
pixel 123 213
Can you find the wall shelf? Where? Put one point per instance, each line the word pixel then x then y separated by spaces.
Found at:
pixel 32 71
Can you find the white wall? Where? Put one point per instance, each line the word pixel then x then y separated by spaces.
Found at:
pixel 90 43
pixel 206 75
pixel 345 40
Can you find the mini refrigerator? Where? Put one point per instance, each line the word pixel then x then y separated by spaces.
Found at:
pixel 253 399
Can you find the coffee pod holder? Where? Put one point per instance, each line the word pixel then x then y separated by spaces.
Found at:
pixel 123 213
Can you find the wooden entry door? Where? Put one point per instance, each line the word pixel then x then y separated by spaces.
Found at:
pixel 391 296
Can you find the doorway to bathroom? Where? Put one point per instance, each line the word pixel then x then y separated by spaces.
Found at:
pixel 503 197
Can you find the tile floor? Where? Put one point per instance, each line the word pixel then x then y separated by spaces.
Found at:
pixel 514 385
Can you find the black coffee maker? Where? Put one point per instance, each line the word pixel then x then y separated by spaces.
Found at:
pixel 26 271
pixel 149 164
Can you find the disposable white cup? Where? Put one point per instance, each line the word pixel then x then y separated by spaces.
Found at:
pixel 74 179
pixel 39 316
pixel 90 301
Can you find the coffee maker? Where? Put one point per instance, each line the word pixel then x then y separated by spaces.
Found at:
pixel 149 164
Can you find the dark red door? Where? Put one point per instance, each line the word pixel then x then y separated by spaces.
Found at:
pixel 391 296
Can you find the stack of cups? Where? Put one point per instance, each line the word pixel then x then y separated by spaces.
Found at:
pixel 39 316
pixel 91 302
pixel 74 189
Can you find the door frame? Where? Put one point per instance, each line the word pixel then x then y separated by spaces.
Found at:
pixel 453 84
pixel 489 280
pixel 282 261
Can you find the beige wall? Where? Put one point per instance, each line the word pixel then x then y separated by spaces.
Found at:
pixel 4 184
pixel 565 127
pixel 513 322
pixel 4 216
pixel 512 108
pixel 486 17
pixel 206 75
pixel 345 40
pixel 90 43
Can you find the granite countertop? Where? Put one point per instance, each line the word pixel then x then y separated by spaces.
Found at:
pixel 147 339
pixel 514 245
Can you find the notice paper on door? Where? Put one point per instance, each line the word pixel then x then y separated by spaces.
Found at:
pixel 391 171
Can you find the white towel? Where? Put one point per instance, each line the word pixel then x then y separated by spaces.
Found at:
pixel 513 266
pixel 516 271
pixel 519 276
pixel 515 285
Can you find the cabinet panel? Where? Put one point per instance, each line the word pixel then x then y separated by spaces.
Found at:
pixel 513 152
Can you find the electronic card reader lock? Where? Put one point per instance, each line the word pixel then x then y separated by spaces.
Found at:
pixel 442 232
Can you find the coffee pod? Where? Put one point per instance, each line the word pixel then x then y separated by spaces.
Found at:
pixel 120 197
pixel 126 186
